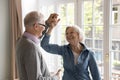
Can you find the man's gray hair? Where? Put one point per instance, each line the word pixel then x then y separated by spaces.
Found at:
pixel 32 17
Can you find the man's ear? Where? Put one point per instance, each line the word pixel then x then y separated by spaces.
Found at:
pixel 35 26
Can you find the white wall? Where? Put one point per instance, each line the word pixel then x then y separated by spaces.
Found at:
pixel 4 41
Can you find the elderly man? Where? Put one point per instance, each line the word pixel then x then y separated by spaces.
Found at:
pixel 30 62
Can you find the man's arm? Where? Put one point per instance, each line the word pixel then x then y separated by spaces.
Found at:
pixel 35 66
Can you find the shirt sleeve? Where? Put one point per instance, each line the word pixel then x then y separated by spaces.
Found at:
pixel 51 48
pixel 93 67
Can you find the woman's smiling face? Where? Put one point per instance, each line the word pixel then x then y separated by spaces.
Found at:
pixel 72 36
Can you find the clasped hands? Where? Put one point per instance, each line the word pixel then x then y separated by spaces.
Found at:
pixel 56 74
pixel 53 20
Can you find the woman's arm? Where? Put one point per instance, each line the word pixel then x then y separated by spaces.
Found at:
pixel 35 66
pixel 51 48
pixel 93 67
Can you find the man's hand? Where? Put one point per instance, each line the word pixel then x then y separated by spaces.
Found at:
pixel 58 73
pixel 52 20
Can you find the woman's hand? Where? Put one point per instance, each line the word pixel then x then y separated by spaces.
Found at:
pixel 52 20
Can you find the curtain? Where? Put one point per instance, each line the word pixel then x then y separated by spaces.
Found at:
pixel 16 32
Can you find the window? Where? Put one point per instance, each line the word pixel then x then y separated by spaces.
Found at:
pixel 100 20
pixel 66 14
pixel 102 35
pixel 93 28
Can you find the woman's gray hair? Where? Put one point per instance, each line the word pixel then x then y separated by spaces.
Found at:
pixel 78 30
pixel 32 17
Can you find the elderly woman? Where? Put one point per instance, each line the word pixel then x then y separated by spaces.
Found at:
pixel 76 57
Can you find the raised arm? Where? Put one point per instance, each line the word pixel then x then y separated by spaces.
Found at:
pixel 51 22
pixel 51 48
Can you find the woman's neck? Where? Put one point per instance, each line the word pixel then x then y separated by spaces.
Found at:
pixel 77 48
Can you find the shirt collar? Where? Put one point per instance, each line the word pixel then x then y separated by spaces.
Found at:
pixel 31 37
pixel 84 47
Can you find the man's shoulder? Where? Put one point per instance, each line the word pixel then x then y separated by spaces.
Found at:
pixel 25 43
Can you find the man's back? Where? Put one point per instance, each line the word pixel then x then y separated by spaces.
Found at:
pixel 31 65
